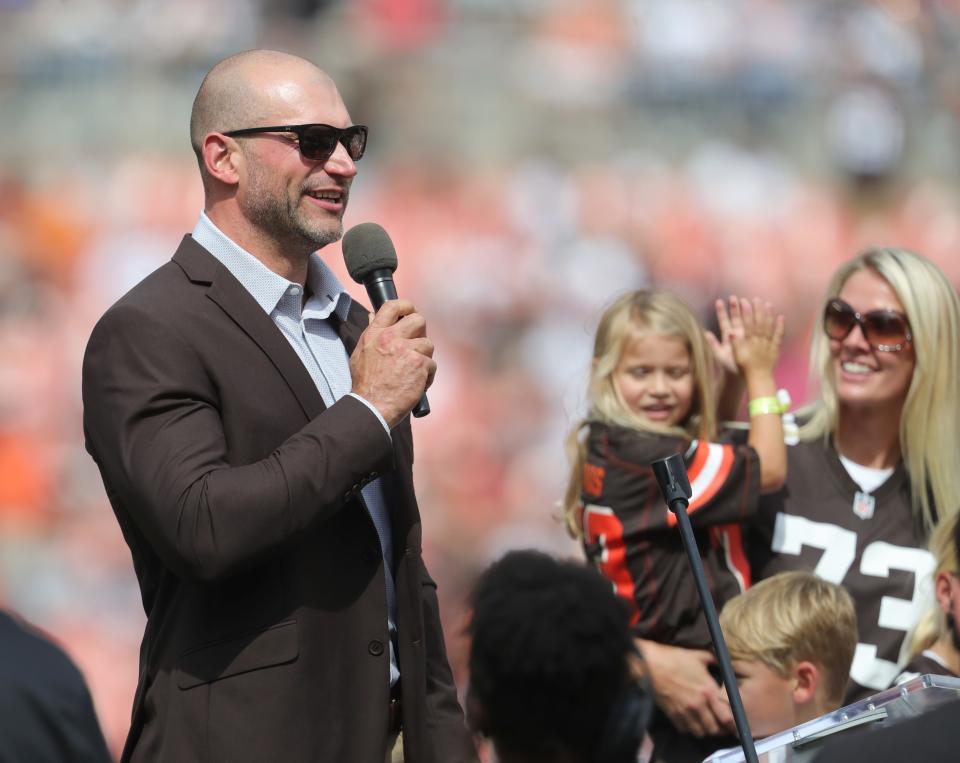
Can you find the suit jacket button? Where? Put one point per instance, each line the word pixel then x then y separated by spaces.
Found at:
pixel 375 648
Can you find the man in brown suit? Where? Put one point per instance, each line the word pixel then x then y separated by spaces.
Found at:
pixel 253 435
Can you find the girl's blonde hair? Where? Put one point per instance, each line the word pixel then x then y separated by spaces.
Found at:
pixel 929 432
pixel 933 623
pixel 635 313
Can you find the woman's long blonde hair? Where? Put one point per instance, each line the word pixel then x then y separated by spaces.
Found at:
pixel 929 428
pixel 635 313
pixel 933 622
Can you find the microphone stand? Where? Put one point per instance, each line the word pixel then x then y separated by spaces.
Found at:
pixel 671 474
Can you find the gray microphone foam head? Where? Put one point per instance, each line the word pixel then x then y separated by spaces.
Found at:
pixel 366 248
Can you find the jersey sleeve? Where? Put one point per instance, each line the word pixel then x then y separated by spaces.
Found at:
pixel 724 482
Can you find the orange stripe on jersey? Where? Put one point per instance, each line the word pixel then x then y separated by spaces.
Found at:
pixel 593 479
pixel 730 538
pixel 602 529
pixel 699 460
pixel 708 471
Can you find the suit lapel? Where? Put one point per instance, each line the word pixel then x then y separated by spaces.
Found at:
pixel 349 330
pixel 226 291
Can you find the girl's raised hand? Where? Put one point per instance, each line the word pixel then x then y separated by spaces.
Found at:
pixel 756 333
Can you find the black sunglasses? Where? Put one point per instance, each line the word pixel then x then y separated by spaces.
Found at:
pixel 317 141
pixel 884 330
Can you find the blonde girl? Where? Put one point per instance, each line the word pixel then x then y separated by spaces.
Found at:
pixel 652 393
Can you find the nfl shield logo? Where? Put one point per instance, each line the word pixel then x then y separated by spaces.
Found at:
pixel 863 505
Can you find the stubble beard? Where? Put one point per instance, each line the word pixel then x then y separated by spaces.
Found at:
pixel 285 221
pixel 954 631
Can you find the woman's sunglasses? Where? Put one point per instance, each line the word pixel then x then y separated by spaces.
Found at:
pixel 884 330
pixel 317 142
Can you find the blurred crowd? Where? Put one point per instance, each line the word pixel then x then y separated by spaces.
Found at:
pixel 531 160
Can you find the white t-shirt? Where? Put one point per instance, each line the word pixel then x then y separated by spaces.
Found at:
pixel 867 477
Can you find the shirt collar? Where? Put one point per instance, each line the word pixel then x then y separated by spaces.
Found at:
pixel 327 294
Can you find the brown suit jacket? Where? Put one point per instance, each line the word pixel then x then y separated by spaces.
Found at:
pixel 260 569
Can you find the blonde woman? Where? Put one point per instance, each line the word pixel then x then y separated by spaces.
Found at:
pixel 651 395
pixel 879 460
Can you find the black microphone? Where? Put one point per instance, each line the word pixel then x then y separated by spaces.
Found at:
pixel 371 260
pixel 671 474
pixel 674 484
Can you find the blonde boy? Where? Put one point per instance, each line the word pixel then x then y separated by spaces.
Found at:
pixel 791 639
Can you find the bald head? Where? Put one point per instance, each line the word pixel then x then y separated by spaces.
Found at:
pixel 259 187
pixel 249 89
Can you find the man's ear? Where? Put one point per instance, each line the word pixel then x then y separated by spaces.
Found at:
pixel 806 679
pixel 221 158
pixel 943 589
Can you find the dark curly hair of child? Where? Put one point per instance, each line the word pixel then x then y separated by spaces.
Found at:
pixel 550 664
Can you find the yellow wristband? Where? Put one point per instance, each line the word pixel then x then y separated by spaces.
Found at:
pixel 761 405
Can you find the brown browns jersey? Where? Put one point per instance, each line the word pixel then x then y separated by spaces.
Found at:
pixel 927 662
pixel 869 543
pixel 631 535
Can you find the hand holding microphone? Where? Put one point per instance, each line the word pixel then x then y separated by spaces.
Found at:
pixel 393 362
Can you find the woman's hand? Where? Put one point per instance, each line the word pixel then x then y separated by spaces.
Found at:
pixel 724 360
pixel 727 376
pixel 684 688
